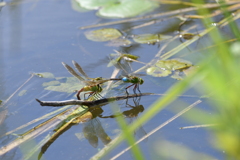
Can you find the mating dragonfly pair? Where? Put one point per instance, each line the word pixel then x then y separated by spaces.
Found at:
pixel 93 85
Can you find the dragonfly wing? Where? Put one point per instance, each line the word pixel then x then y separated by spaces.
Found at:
pixel 72 72
pixel 79 69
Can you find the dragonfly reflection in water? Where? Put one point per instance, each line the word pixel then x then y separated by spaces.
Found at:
pixel 131 114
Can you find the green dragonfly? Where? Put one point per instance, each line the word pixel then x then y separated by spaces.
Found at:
pixel 130 78
pixel 93 85
pixel 136 81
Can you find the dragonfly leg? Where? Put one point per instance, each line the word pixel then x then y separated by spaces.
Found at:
pixel 99 95
pixel 96 96
pixel 90 94
pixel 129 87
pixel 78 94
pixel 139 89
pixel 134 89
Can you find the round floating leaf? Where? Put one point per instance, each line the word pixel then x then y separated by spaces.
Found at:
pixel 158 72
pixel 150 38
pixel 126 8
pixel 77 7
pixel 104 34
pixel 174 64
pixel 95 4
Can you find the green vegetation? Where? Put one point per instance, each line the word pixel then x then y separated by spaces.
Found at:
pixel 216 77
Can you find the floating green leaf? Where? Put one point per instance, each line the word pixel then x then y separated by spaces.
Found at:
pixel 174 64
pixel 150 38
pixel 95 4
pixel 127 57
pixel 71 85
pixel 126 8
pixel 119 42
pixel 104 34
pixel 44 75
pixel 116 8
pixel 158 72
pixel 163 68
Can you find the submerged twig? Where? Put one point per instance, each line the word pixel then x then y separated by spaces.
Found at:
pixel 89 103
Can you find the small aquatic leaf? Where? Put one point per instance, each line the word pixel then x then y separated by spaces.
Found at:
pixel 51 83
pixel 0 102
pixel 77 7
pixel 95 4
pixel 44 75
pixel 71 85
pixel 163 68
pixel 173 64
pixel 158 72
pixel 22 92
pixel 126 8
pixel 127 57
pixel 119 42
pixel 104 34
pixel 150 38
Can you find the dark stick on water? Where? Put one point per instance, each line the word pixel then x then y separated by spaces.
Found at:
pixel 88 103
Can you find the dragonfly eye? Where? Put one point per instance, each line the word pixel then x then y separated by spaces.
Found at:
pixel 125 79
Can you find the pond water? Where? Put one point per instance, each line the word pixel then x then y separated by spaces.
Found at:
pixel 36 36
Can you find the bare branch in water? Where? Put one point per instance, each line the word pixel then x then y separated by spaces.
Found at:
pixel 89 103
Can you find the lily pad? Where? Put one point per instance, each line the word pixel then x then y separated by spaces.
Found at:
pixel 163 68
pixel 150 38
pixel 95 4
pixel 105 34
pixel 126 8
pixel 117 8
